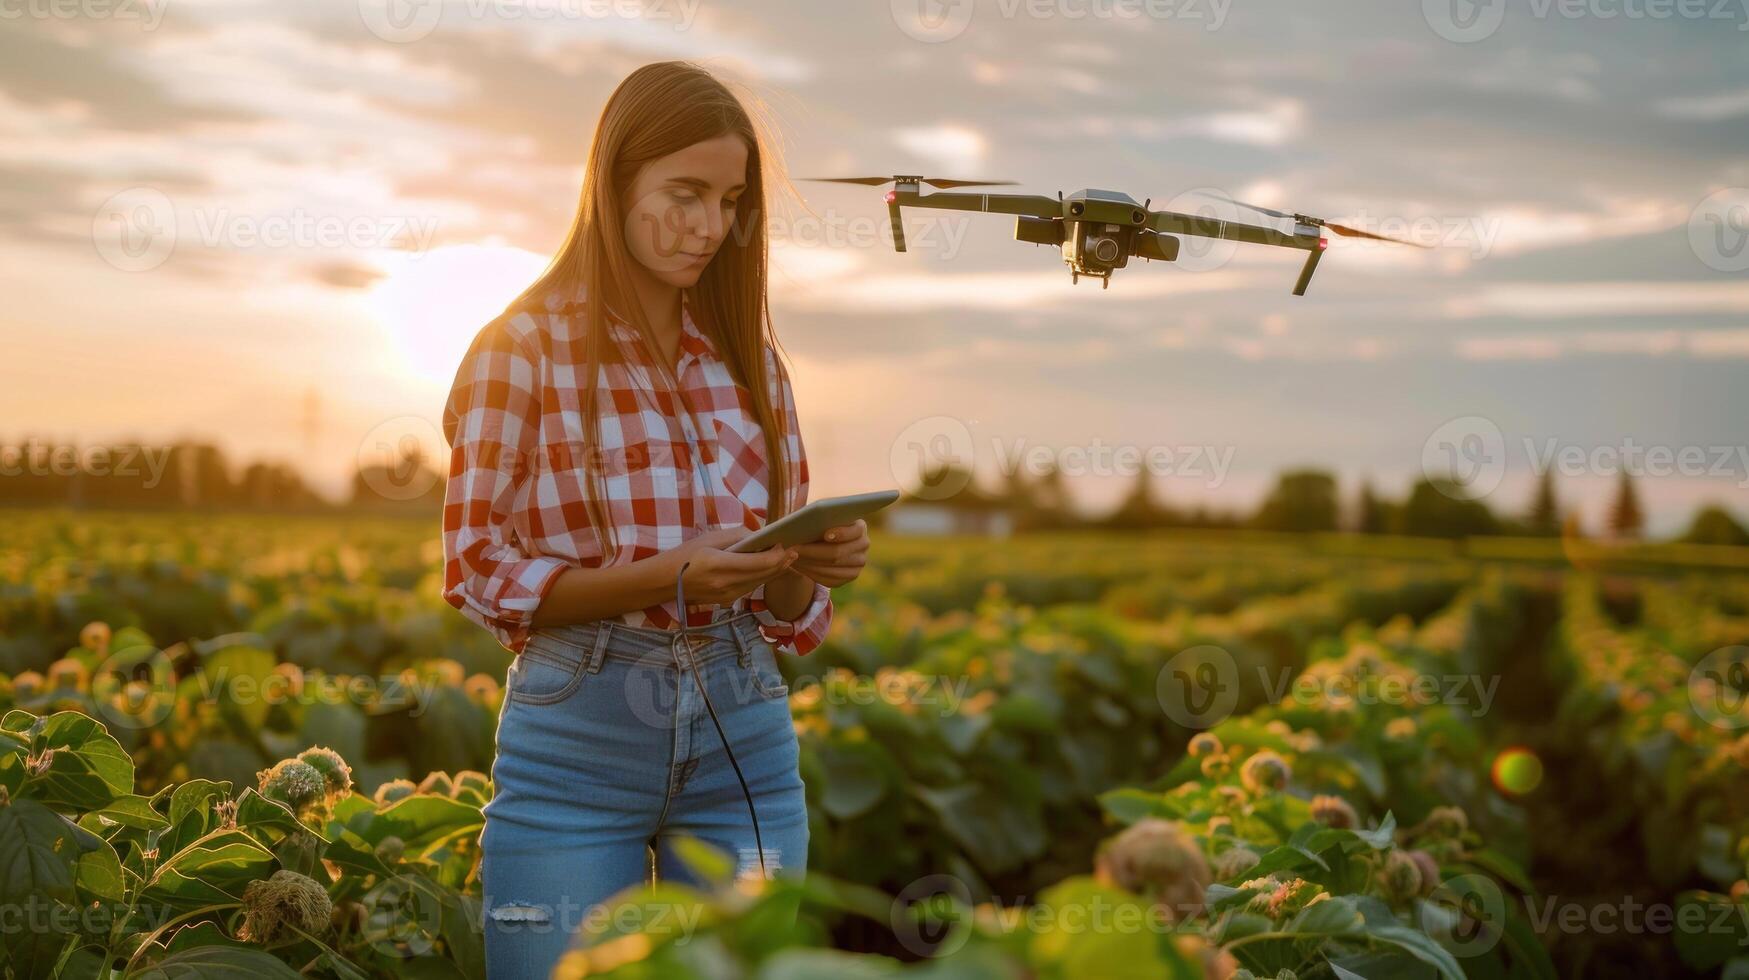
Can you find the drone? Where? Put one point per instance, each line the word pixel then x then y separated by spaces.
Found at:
pixel 1099 230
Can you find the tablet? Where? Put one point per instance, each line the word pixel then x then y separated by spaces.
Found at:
pixel 806 525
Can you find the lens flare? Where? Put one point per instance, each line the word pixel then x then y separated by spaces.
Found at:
pixel 1517 771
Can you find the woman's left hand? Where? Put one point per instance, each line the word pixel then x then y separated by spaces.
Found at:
pixel 838 557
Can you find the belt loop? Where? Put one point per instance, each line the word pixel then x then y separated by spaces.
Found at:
pixel 603 629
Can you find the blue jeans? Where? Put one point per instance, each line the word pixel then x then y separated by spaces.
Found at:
pixel 606 752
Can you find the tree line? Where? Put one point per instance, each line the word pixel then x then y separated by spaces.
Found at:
pixel 1308 500
pixel 197 476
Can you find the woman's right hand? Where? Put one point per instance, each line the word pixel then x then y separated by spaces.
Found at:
pixel 719 577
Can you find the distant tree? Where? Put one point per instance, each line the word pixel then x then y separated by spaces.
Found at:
pixel 1440 510
pixel 1372 517
pixel 1625 517
pixel 276 486
pixel 1572 527
pixel 1303 500
pixel 197 476
pixel 1038 503
pixel 408 483
pixel 1545 510
pixel 1048 498
pixel 1714 524
pixel 1016 493
pixel 1139 509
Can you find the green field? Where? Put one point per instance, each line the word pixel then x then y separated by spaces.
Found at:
pixel 1163 755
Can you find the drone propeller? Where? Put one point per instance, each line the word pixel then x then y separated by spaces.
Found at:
pixel 1340 229
pixel 940 183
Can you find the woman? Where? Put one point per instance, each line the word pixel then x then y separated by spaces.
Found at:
pixel 624 422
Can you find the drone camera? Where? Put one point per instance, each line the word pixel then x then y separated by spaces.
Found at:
pixel 1104 248
pixel 1104 243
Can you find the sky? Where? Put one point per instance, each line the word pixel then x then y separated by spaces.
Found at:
pixel 277 227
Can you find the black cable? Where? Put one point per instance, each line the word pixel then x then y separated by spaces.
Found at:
pixel 692 659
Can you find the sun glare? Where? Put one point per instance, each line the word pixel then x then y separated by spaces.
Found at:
pixel 433 304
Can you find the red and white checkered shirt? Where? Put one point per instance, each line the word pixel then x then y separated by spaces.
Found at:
pixel 514 513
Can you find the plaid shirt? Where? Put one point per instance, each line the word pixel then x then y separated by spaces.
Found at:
pixel 514 513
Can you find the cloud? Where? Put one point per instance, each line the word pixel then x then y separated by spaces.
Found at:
pixel 1541 300
pixel 1706 108
pixel 1271 125
pixel 1702 344
pixel 912 292
pixel 956 150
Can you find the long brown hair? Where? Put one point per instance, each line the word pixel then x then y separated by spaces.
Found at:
pixel 659 109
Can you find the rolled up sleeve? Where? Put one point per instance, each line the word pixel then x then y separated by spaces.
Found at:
pixel 491 421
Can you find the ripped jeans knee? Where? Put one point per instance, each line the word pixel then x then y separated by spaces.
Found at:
pixel 521 912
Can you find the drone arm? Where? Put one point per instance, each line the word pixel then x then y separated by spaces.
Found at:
pixel 1306 271
pixel 1204 226
pixel 898 226
pixel 1036 205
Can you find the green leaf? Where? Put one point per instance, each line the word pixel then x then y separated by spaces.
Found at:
pixel 132 811
pixel 1382 965
pixel 1129 805
pixel 1722 936
pixel 191 816
pixel 812 964
pixel 1382 837
pixel 423 820
pixel 706 861
pixel 99 876
pixel 235 962
pixel 1242 924
pixel 214 871
pixel 257 813
pixel 961 732
pixel 236 678
pixel 856 778
pixel 1500 866
pixel 1382 926
pixel 1330 917
pixel 89 768
pixel 1287 857
pixel 38 853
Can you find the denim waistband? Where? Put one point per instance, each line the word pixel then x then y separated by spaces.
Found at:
pixel 604 639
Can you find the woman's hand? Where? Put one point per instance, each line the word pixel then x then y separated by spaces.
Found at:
pixel 719 577
pixel 838 557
